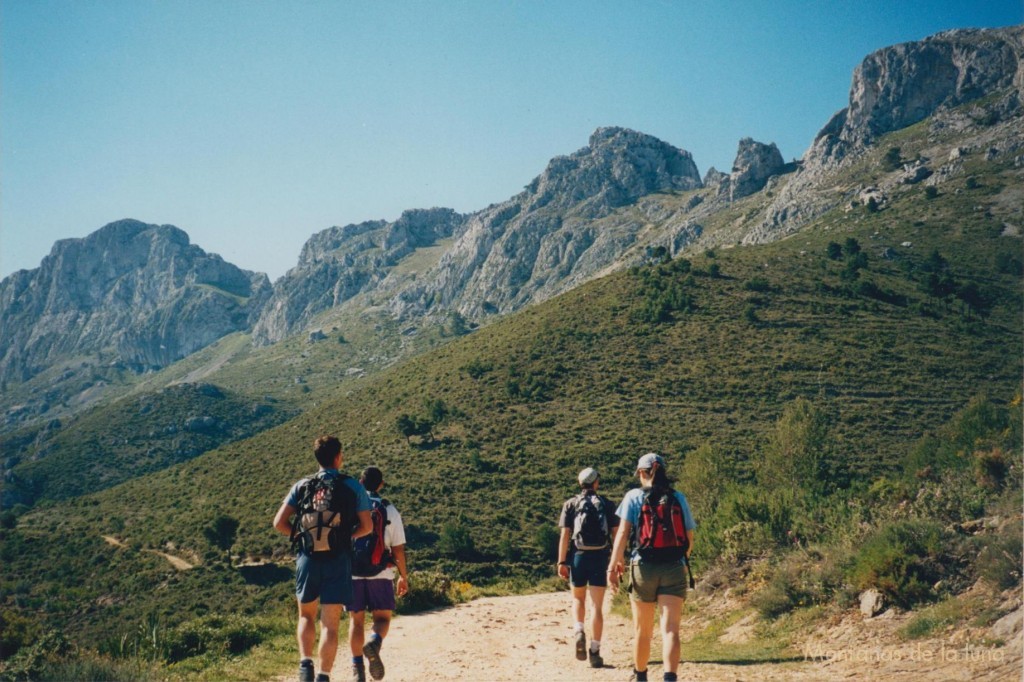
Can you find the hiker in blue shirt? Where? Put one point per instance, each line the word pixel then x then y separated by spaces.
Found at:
pixel 323 575
pixel 657 524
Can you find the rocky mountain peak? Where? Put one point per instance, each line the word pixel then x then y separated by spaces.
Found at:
pixel 755 163
pixel 140 293
pixel 898 86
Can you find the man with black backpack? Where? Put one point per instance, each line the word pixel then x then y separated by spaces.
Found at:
pixel 322 514
pixel 588 524
pixel 657 523
pixel 375 558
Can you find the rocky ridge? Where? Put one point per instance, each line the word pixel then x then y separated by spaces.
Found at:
pixel 894 88
pixel 130 293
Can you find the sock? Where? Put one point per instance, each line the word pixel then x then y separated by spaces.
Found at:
pixel 377 638
pixel 357 660
pixel 595 646
pixel 578 627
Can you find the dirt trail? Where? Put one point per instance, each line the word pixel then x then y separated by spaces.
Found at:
pixel 177 562
pixel 529 638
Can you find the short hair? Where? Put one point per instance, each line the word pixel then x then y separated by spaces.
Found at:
pixel 371 478
pixel 325 449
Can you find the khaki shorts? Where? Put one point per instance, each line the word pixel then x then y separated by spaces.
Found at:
pixel 649 581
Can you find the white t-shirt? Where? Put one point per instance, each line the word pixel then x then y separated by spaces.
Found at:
pixel 394 536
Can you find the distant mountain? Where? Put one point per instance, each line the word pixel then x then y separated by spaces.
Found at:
pixel 132 294
pixel 139 297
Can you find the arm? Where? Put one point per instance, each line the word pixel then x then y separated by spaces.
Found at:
pixel 617 566
pixel 398 554
pixel 689 542
pixel 563 554
pixel 282 522
pixel 365 526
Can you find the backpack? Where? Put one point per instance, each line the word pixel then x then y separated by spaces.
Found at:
pixel 590 523
pixel 326 515
pixel 661 536
pixel 370 555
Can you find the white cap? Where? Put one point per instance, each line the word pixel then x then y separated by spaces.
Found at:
pixel 587 476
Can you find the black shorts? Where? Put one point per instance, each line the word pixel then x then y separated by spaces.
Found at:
pixel 590 568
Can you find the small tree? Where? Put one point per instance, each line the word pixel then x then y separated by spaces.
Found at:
pixel 797 452
pixel 221 531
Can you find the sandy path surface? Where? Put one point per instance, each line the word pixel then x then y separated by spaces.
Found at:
pixel 530 638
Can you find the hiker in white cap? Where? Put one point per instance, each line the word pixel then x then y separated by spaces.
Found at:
pixel 588 524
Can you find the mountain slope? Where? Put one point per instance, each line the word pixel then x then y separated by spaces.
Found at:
pixel 668 357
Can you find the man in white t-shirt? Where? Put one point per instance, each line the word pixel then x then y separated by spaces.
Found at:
pixel 373 579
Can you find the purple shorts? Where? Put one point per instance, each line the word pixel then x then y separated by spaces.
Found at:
pixel 373 594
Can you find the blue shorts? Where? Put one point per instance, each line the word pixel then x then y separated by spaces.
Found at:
pixel 590 568
pixel 328 579
pixel 374 594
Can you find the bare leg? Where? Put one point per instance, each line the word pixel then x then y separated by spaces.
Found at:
pixel 597 599
pixel 306 630
pixel 671 612
pixel 643 630
pixel 330 619
pixel 579 604
pixel 381 622
pixel 356 633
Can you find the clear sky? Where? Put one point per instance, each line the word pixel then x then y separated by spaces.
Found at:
pixel 253 124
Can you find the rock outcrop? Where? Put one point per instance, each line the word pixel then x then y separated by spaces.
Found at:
pixel 896 87
pixel 340 262
pixel 139 294
pixel 549 238
pixel 755 163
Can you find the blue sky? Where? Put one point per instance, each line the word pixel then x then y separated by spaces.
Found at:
pixel 252 125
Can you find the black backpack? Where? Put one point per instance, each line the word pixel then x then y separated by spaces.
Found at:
pixel 661 535
pixel 326 516
pixel 590 523
pixel 370 555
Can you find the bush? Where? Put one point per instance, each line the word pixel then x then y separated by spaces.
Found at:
pixel 431 590
pixel 215 634
pixel 903 560
pixel 1001 557
pixel 802 579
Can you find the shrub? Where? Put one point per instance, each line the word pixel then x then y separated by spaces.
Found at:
pixel 802 579
pixel 1001 557
pixel 455 542
pixel 757 284
pixel 431 590
pixel 904 560
pixel 798 451
pixel 216 634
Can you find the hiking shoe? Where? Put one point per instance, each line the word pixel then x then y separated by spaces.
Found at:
pixel 322 677
pixel 581 646
pixel 372 652
pixel 638 676
pixel 595 659
pixel 306 671
pixel 358 673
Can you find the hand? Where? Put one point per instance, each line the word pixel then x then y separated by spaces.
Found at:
pixel 563 571
pixel 615 571
pixel 403 587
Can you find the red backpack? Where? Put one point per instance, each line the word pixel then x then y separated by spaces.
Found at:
pixel 661 535
pixel 370 555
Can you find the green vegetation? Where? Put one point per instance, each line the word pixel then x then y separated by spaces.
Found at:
pixel 789 393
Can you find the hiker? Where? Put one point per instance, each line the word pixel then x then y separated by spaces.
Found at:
pixel 375 558
pixel 658 525
pixel 588 524
pixel 329 510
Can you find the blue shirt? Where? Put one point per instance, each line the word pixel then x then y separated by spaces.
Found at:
pixel 629 510
pixel 362 499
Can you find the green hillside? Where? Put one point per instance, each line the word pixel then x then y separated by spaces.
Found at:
pixel 869 334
